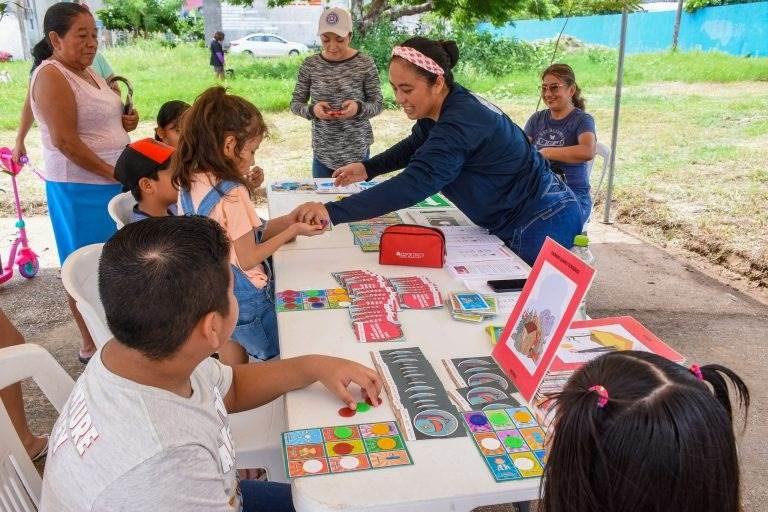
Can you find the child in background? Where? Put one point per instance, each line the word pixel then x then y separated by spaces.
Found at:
pixel 169 120
pixel 636 432
pixel 219 136
pixel 143 168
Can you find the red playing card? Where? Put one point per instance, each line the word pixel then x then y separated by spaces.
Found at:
pixel 366 332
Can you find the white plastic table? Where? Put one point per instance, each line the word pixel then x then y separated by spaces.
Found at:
pixel 447 474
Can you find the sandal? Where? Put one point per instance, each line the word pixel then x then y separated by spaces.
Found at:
pixel 43 452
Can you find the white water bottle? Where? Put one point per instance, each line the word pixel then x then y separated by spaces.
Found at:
pixel 581 249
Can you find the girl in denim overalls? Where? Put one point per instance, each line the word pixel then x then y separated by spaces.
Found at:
pixel 219 135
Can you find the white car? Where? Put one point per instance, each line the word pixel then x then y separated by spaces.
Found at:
pixel 266 45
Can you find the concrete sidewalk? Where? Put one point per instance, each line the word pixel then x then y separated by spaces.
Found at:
pixel 703 318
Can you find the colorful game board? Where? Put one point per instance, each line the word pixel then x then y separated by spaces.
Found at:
pixel 345 448
pixel 510 440
pixel 306 300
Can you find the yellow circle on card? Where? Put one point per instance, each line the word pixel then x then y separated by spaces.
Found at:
pixel 386 443
pixel 522 416
pixel 380 429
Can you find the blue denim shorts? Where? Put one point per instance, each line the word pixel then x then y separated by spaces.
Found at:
pixel 559 219
pixel 256 328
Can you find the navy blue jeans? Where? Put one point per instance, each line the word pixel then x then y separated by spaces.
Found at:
pixel 320 170
pixel 559 219
pixel 261 496
pixel 584 200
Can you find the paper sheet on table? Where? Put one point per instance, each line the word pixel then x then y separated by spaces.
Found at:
pixel 453 241
pixel 327 187
pixel 508 269
pixel 467 254
pixel 453 231
pixel 439 218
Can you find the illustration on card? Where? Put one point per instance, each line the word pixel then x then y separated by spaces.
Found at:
pixel 547 302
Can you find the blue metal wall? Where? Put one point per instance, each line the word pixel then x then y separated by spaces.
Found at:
pixel 736 29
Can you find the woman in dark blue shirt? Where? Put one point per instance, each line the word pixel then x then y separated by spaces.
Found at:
pixel 563 133
pixel 465 147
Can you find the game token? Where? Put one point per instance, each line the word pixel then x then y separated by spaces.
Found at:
pixel 312 466
pixel 343 432
pixel 386 443
pixel 478 419
pixel 346 412
pixel 363 407
pixel 513 442
pixel 380 429
pixel 342 448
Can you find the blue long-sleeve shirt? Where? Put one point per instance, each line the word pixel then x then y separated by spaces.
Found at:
pixel 473 153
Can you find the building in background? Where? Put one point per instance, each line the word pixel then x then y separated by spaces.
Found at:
pixel 295 22
pixel 22 27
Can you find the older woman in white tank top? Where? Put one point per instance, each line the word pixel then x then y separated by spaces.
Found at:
pixel 83 132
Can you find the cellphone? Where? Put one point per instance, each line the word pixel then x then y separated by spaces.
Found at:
pixel 507 285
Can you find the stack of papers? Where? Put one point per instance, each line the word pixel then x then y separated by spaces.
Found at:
pixel 374 307
pixel 471 306
pixel 368 233
pixel 417 292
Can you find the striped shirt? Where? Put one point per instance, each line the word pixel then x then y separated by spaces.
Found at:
pixel 339 142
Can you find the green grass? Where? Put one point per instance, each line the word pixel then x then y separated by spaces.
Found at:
pixel 159 74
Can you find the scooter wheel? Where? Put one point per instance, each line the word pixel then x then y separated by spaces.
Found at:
pixel 29 269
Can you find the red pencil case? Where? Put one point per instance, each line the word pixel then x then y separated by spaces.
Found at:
pixel 412 246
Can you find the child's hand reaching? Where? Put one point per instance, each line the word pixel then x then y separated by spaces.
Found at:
pixel 255 176
pixel 337 374
pixel 305 229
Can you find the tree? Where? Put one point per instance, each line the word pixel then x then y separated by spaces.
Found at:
pixel 368 13
pixel 212 16
pixel 142 17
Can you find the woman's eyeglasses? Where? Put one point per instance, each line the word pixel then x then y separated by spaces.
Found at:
pixel 553 88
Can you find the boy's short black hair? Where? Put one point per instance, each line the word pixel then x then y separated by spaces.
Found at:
pixel 159 277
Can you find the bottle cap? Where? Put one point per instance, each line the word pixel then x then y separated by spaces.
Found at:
pixel 581 241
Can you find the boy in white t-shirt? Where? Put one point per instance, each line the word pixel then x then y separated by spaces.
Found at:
pixel 146 427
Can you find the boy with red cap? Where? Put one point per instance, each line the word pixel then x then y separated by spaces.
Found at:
pixel 143 168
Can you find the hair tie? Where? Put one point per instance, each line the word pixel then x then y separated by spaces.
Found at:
pixel 602 395
pixel 417 58
pixel 696 370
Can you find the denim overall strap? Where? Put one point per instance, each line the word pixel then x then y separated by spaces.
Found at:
pixel 187 206
pixel 214 195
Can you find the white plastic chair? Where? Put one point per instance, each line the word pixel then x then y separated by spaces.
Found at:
pixel 20 483
pixel 120 208
pixel 257 434
pixel 80 275
pixel 603 151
